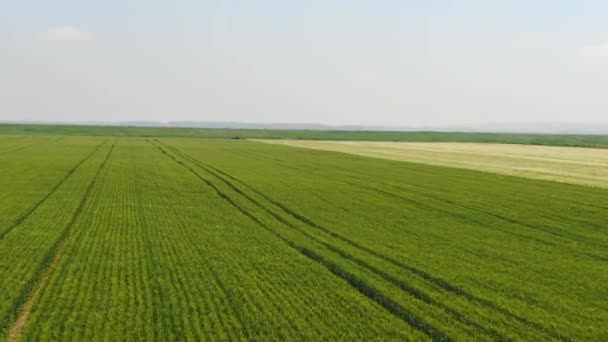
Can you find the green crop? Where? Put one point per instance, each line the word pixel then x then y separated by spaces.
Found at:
pixel 123 238
pixel 580 140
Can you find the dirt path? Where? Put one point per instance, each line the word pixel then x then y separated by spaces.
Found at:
pixel 17 328
pixel 57 251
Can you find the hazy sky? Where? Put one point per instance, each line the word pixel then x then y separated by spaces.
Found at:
pixel 337 62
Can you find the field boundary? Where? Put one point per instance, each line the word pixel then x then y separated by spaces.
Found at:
pixel 524 161
pixel 351 180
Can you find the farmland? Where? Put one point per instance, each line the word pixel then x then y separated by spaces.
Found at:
pixel 108 237
pixel 585 166
pixel 572 140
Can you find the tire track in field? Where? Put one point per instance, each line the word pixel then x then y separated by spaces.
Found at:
pixel 406 288
pixel 23 306
pixel 403 286
pixel 20 148
pixel 463 218
pixel 410 169
pixel 418 272
pixel 33 208
pixel 548 229
pixel 441 283
pixel 543 228
pixel 460 217
pixel 467 219
pixel 240 319
pixel 356 283
pixel 476 207
pixel 582 191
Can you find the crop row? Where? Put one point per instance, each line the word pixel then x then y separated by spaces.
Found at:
pixel 11 146
pixel 462 239
pixel 405 301
pixel 157 254
pixel 29 246
pixel 194 239
pixel 30 175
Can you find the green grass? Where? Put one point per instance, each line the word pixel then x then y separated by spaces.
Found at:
pixel 165 238
pixel 600 141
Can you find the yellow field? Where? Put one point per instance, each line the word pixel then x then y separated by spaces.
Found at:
pixel 585 166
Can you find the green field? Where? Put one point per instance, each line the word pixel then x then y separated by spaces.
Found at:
pixel 599 141
pixel 162 238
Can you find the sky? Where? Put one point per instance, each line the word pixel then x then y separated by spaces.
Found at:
pixel 375 62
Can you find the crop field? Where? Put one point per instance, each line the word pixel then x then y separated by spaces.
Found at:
pixel 586 166
pixel 572 140
pixel 158 238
